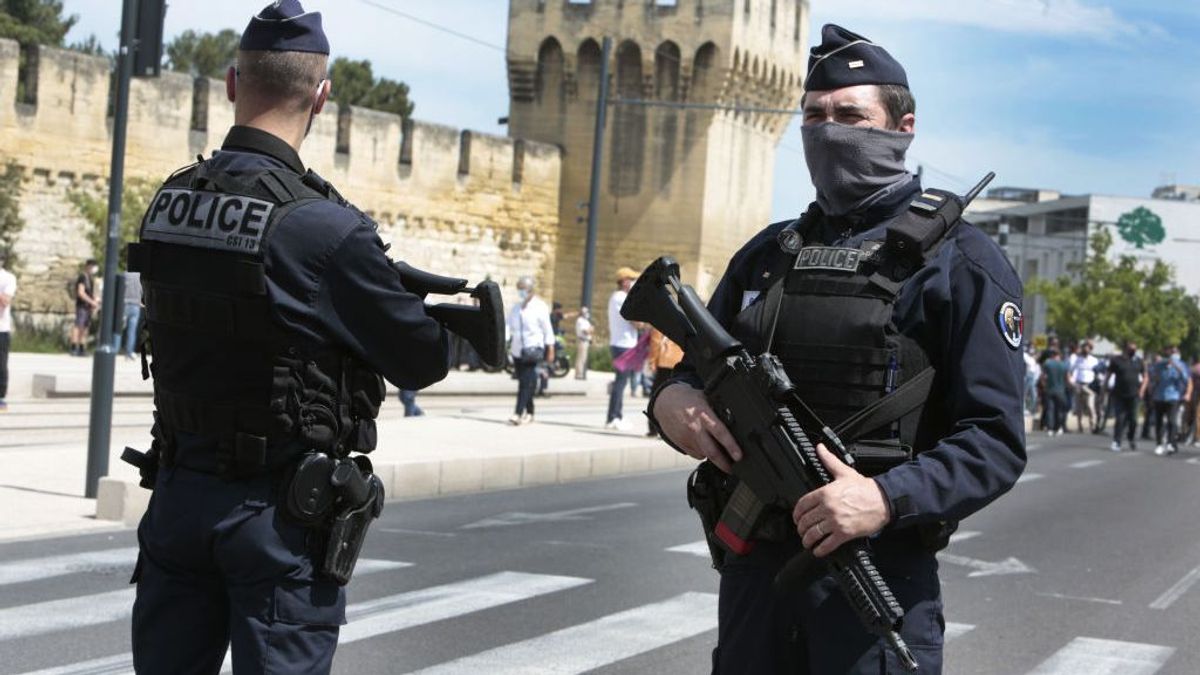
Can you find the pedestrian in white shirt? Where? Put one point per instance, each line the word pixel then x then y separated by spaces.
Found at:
pixel 532 343
pixel 1083 380
pixel 622 336
pixel 8 289
pixel 583 342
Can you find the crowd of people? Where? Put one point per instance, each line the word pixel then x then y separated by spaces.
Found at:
pixel 1156 391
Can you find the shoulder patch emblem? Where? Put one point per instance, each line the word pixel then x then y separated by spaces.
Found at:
pixel 1012 324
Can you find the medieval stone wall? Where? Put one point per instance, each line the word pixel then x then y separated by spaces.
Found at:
pixel 453 202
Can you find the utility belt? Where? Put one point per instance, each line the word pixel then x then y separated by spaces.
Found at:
pixel 336 498
pixel 709 491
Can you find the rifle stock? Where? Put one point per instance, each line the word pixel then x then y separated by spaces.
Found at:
pixel 756 400
pixel 482 326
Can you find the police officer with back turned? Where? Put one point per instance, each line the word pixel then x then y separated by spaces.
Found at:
pixel 900 325
pixel 273 312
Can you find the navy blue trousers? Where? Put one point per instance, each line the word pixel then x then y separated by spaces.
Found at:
pixel 220 568
pixel 814 631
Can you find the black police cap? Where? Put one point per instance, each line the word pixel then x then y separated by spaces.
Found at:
pixel 284 26
pixel 844 59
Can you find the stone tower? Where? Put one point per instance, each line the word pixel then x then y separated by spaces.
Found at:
pixel 692 183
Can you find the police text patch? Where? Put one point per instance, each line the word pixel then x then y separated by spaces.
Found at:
pixel 207 219
pixel 829 258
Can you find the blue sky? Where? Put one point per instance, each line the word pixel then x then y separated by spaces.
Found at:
pixel 1084 96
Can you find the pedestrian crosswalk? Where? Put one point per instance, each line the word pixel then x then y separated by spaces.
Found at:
pixel 593 640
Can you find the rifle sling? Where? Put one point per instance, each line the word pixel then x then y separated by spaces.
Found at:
pixel 905 399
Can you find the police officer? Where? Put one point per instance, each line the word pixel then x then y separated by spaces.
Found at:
pixel 272 311
pixel 900 324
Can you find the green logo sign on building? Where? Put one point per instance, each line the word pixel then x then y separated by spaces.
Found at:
pixel 1141 227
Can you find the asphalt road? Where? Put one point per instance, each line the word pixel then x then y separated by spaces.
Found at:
pixel 1090 565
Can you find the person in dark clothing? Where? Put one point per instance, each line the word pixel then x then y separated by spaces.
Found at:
pixel 1127 385
pixel 878 281
pixel 274 315
pixel 1054 379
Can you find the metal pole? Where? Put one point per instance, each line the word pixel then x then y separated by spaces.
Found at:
pixel 589 256
pixel 100 425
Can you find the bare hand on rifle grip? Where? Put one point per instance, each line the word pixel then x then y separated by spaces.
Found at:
pixel 685 417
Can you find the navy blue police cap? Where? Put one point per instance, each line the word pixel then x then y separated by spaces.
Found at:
pixel 844 59
pixel 284 26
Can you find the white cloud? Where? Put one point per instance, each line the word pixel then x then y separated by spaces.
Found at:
pixel 1062 18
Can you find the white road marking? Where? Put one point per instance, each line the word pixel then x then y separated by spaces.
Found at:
pixel 1033 446
pixel 698 548
pixel 1175 592
pixel 33 569
pixel 957 630
pixel 963 535
pixel 423 533
pixel 1194 460
pixel 1061 596
pixel 983 568
pixel 58 615
pixel 1105 657
pixel 523 518
pixel 121 664
pixel 594 644
pixel 89 610
pixel 1029 477
pixel 392 613
pixel 1087 463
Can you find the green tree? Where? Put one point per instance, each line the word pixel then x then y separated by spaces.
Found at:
pixel 203 54
pixel 1141 226
pixel 1121 300
pixel 136 196
pixel 354 83
pixel 35 21
pixel 10 214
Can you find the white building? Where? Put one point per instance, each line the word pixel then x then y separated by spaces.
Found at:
pixel 1046 236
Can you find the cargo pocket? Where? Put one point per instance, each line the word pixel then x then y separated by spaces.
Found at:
pixel 319 604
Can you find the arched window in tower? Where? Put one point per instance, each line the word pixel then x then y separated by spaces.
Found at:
pixel 666 120
pixel 666 71
pixel 587 61
pixel 628 125
pixel 704 76
pixel 549 84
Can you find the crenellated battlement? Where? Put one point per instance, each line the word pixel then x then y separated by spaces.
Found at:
pixel 466 203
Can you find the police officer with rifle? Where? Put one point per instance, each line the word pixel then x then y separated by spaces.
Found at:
pixel 888 400
pixel 274 315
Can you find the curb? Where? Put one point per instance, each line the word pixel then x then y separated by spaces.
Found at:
pixel 125 501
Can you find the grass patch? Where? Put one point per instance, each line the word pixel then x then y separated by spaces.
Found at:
pixel 30 338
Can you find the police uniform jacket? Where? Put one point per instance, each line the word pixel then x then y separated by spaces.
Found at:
pixel 951 307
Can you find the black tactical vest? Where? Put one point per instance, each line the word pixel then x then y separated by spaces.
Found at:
pixel 830 320
pixel 223 369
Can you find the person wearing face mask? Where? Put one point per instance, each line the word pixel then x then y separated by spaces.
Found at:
pixel 87 301
pixel 901 326
pixel 274 315
pixel 1127 383
pixel 1171 384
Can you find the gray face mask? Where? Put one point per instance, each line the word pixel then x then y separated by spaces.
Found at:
pixel 854 167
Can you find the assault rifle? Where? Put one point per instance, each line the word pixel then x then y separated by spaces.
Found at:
pixel 482 326
pixel 755 399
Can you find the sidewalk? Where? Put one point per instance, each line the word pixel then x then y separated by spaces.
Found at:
pixel 454 449
pixel 63 376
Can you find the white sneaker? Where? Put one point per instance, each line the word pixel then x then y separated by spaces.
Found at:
pixel 1160 450
pixel 617 425
pixel 527 418
pixel 515 420
pixel 1116 447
